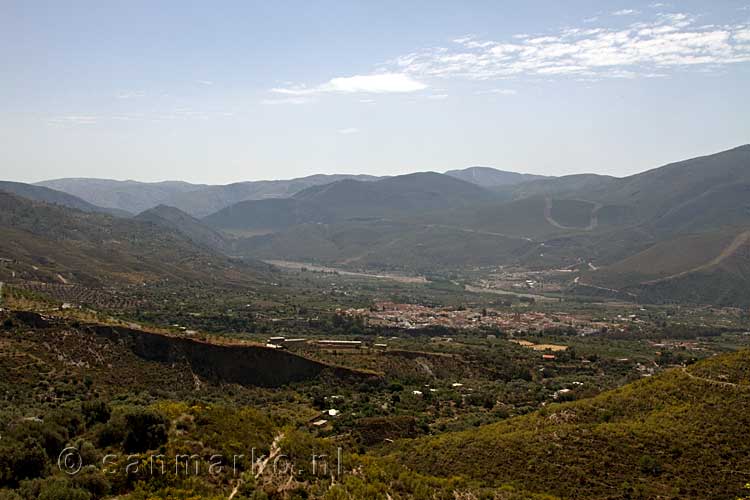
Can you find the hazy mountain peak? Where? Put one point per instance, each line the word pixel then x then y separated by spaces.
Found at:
pixel 491 177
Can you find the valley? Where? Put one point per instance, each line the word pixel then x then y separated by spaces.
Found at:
pixel 546 338
pixel 375 250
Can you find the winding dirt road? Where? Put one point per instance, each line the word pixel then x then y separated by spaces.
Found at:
pixel 593 222
pixel 715 382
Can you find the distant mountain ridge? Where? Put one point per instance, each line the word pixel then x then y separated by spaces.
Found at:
pixel 57 244
pixel 201 200
pixel 635 230
pixel 55 197
pixel 677 232
pixel 197 200
pixel 131 196
pixel 491 177
pixel 351 199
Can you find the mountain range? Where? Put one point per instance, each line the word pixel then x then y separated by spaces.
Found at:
pixel 674 233
pixel 200 200
pixel 197 200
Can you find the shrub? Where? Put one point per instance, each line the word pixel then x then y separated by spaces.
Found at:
pixel 21 460
pixel 62 490
pixel 93 482
pixel 144 430
pixel 649 465
pixel 96 411
pixel 68 419
pixel 113 433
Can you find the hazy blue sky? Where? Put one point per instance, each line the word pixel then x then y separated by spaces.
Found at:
pixel 217 92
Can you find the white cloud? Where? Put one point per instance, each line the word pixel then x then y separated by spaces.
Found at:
pixel 130 95
pixel 378 83
pixel 742 36
pixel 287 100
pixel 647 48
pixel 625 12
pixel 205 82
pixel 496 92
pixel 348 131
pixel 74 119
pixel 438 97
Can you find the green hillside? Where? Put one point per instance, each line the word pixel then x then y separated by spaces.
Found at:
pixel 657 192
pixel 422 248
pixel 52 196
pixel 52 243
pixel 257 215
pixel 350 199
pixel 670 436
pixel 132 196
pixel 177 220
pixel 212 199
pixel 711 267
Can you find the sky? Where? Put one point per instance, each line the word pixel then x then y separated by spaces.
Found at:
pixel 219 92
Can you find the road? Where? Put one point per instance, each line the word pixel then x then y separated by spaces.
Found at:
pixel 593 222
pixel 497 291
pixel 287 264
pixel 712 381
pixel 730 250
pixel 479 231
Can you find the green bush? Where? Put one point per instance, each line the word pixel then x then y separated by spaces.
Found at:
pixel 60 490
pixel 93 482
pixel 111 434
pixel 51 489
pixel 144 430
pixel 69 419
pixel 96 411
pixel 21 460
pixel 649 465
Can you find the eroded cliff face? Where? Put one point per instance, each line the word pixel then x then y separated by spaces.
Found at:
pixel 241 364
pixel 230 363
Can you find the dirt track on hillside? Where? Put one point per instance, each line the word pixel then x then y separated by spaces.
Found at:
pixel 593 222
pixel 739 240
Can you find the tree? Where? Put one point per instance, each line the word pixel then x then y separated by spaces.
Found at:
pixel 21 460
pixel 145 430
pixel 95 411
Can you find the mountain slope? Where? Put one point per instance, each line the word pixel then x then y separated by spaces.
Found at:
pixel 351 199
pixel 47 195
pixel 197 200
pixel 177 220
pixel 710 267
pixel 211 199
pixel 670 436
pixel 52 243
pixel 131 196
pixel 696 194
pixel 491 177
pixel 391 245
